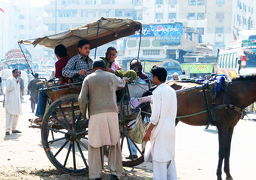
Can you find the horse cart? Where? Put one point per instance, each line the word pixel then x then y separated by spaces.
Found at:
pixel 64 130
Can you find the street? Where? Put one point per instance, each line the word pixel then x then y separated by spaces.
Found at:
pixel 22 156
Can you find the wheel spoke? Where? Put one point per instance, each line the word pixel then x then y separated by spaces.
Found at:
pixel 61 122
pixel 84 145
pixel 82 155
pixel 63 113
pixel 122 143
pixel 52 135
pixel 73 115
pixel 55 140
pixel 61 149
pixel 136 146
pixel 66 159
pixel 74 154
pixel 79 118
pixel 56 130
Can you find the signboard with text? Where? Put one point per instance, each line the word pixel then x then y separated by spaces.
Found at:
pixel 168 34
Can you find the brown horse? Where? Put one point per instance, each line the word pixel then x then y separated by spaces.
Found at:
pixel 198 106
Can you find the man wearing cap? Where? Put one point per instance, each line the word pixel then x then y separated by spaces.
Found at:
pixel 98 95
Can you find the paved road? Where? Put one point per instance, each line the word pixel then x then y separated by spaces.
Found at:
pixel 196 153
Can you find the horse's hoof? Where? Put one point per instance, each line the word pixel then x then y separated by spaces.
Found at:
pixel 229 178
pixel 219 178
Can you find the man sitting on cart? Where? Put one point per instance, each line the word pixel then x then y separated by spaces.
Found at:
pixel 79 66
pixel 63 58
pixel 113 66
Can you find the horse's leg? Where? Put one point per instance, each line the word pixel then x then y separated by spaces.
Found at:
pixel 222 148
pixel 227 155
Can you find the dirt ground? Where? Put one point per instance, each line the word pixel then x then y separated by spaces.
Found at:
pixel 22 157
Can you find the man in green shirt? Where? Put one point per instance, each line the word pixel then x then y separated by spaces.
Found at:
pixel 113 66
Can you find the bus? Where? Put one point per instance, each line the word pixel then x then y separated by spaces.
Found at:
pixel 239 61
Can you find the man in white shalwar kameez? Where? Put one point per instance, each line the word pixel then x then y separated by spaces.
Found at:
pixel 12 103
pixel 161 130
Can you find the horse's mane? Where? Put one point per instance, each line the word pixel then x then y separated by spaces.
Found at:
pixel 243 78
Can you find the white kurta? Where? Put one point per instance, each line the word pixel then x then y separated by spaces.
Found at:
pixel 12 97
pixel 164 110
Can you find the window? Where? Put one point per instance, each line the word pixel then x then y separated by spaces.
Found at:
pixel 67 13
pixel 159 2
pixel 137 2
pixel 195 2
pixel 200 16
pixel 219 30
pixel 64 27
pixel 107 2
pixel 159 16
pixel 220 2
pixel 145 43
pixel 220 16
pixel 131 43
pixel 172 15
pixel 118 13
pixel 200 30
pixel 191 16
pixel 21 17
pixel 90 2
pixel 172 2
pixel 51 27
pixel 151 52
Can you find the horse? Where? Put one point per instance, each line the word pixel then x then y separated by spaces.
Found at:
pixel 199 105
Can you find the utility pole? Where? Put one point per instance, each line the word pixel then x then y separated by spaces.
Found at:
pixel 55 16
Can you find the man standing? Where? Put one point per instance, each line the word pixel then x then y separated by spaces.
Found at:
pixel 33 88
pixel 12 102
pixel 79 66
pixel 98 93
pixel 161 129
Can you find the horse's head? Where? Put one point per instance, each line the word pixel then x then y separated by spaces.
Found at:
pixel 242 91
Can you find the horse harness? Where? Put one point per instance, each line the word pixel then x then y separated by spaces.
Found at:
pixel 211 107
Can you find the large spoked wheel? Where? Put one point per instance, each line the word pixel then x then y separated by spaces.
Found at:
pixel 132 153
pixel 64 136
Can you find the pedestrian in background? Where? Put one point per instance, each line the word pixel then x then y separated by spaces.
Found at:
pixel 33 89
pixel 12 102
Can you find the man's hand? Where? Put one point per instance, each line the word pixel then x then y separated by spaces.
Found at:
pixel 126 79
pixel 82 72
pixel 147 136
pixel 110 70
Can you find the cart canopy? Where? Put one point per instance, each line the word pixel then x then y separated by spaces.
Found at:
pixel 98 33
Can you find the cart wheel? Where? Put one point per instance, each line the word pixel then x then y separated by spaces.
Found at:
pixel 64 136
pixel 129 148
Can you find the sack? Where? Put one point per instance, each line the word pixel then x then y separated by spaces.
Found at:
pixel 137 129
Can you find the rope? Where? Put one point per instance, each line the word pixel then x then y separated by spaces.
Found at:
pixel 191 115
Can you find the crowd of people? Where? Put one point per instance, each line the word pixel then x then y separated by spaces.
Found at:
pixel 100 81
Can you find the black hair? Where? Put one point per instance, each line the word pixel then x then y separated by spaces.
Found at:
pixel 159 72
pixel 111 49
pixel 36 75
pixel 99 63
pixel 60 51
pixel 83 42
pixel 14 70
